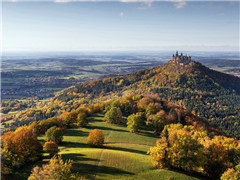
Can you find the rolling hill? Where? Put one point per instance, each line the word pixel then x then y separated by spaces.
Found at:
pixel 123 157
pixel 191 85
pixel 209 94
pixel 162 94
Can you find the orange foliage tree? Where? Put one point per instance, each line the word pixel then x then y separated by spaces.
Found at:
pixel 20 147
pixel 51 148
pixel 96 138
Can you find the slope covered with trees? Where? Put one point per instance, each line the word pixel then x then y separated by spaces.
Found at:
pixel 205 92
pixel 186 142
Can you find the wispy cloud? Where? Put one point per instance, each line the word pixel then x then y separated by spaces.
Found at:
pixel 220 14
pixel 62 1
pixel 56 1
pixel 179 4
pixel 147 2
pixel 121 14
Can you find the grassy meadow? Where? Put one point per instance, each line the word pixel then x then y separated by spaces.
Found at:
pixel 124 155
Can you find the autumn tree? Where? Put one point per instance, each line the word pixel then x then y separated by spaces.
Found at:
pixel 54 134
pixel 20 147
pixel 96 138
pixel 229 174
pixel 114 115
pixel 82 120
pixel 51 148
pixel 159 154
pixel 220 151
pixel 34 125
pixel 232 173
pixel 157 121
pixel 178 148
pixel 116 103
pixel 153 108
pixel 128 105
pixel 135 122
pixel 190 149
pixel 68 118
pixel 56 169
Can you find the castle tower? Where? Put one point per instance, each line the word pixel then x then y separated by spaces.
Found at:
pixel 180 58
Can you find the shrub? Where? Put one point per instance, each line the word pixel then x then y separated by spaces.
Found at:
pixel 114 115
pixel 96 138
pixel 51 148
pixel 54 134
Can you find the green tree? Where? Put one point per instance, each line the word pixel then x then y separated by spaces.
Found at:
pixel 135 122
pixel 116 103
pixel 82 120
pixel 114 115
pixel 68 118
pixel 54 134
pixel 157 121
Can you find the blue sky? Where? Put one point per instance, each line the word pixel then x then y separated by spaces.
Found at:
pixel 64 25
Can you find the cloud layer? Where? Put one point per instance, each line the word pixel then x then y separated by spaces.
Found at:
pixel 177 3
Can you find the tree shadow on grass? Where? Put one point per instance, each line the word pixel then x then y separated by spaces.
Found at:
pixel 147 131
pixel 105 128
pixel 75 132
pixel 112 170
pixel 126 149
pixel 88 170
pixel 24 172
pixel 148 134
pixel 92 119
pixel 68 144
pixel 77 157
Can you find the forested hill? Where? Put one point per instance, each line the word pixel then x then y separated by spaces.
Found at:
pixel 205 92
pixel 192 76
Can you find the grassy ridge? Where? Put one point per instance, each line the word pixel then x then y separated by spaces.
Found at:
pixel 123 157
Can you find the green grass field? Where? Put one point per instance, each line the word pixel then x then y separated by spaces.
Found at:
pixel 123 156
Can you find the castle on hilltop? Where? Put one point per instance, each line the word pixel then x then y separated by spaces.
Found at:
pixel 181 58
